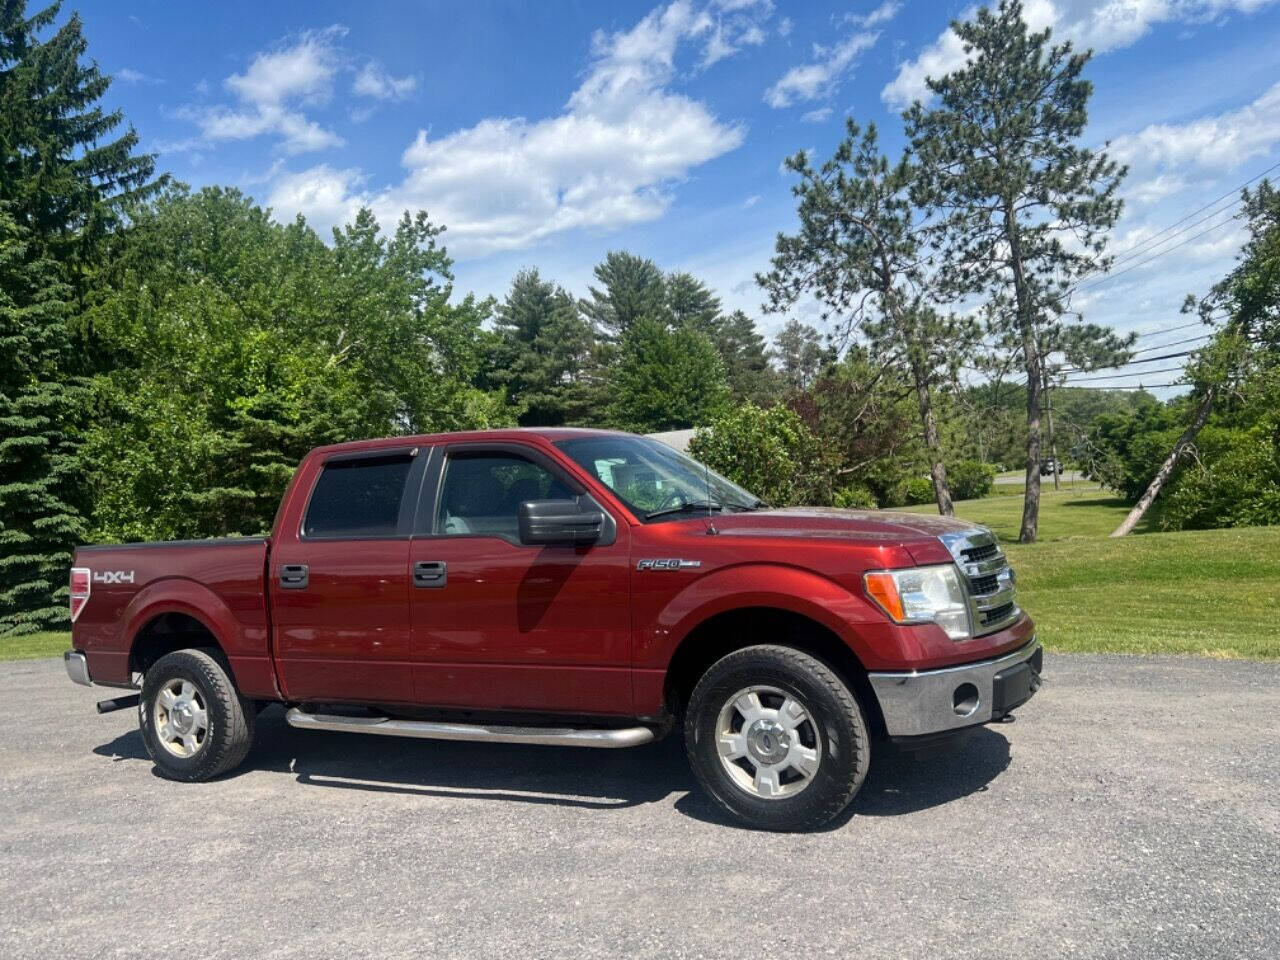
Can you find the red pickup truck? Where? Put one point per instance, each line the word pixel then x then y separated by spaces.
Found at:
pixel 569 587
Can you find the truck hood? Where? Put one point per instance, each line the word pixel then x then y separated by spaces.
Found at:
pixel 832 522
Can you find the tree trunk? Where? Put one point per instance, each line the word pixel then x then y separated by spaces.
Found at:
pixel 1053 443
pixel 1031 360
pixel 937 471
pixel 1166 468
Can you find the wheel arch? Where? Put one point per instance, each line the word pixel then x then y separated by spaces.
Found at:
pixel 727 631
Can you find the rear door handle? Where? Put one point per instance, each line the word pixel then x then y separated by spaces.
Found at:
pixel 430 573
pixel 293 576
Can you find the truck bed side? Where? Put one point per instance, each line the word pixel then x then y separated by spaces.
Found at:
pixel 146 597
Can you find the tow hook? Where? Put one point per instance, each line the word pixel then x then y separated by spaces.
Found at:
pixel 119 703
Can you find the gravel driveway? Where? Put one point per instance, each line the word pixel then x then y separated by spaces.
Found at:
pixel 1133 810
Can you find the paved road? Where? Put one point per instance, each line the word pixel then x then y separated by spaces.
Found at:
pixel 1133 810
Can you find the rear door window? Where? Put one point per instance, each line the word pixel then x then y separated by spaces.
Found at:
pixel 358 498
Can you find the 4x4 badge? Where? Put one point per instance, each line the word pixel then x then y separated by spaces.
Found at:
pixel 668 564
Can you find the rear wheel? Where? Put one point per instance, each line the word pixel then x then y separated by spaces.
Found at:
pixel 194 722
pixel 777 738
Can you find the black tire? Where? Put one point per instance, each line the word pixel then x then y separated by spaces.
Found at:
pixel 229 717
pixel 836 724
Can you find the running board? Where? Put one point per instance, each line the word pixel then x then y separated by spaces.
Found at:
pixel 431 730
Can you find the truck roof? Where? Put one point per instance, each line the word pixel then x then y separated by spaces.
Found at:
pixel 550 434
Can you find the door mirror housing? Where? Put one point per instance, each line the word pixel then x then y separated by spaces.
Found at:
pixel 560 522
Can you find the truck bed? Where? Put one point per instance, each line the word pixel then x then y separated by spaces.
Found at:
pixel 217 584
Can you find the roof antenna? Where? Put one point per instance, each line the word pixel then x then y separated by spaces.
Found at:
pixel 711 523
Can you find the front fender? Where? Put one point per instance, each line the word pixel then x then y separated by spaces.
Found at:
pixel 778 586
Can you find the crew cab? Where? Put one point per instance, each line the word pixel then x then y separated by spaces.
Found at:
pixel 569 587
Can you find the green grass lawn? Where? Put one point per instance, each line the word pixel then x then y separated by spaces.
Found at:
pixel 33 645
pixel 1212 593
pixel 1208 592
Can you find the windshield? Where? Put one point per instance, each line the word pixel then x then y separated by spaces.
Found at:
pixel 654 480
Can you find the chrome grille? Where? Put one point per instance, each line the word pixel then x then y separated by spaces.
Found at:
pixel 987 576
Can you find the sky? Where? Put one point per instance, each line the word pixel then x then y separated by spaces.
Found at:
pixel 547 133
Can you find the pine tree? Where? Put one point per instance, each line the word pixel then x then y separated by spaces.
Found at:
pixel 666 379
pixel 63 186
pixel 801 355
pixel 1020 211
pixel 631 289
pixel 544 353
pixel 857 253
pixel 38 518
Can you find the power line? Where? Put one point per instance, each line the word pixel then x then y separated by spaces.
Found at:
pixel 1117 376
pixel 1117 366
pixel 1111 276
pixel 1151 242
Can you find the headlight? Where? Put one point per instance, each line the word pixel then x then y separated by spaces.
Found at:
pixel 922 595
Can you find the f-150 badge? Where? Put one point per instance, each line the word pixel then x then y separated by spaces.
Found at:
pixel 672 563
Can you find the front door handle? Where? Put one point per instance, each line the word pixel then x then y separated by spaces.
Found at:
pixel 293 576
pixel 430 573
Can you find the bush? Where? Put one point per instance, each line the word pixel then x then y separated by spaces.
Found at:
pixel 1236 483
pixel 855 497
pixel 769 452
pixel 970 479
pixel 918 490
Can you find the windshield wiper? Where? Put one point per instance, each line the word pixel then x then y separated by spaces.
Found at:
pixel 689 506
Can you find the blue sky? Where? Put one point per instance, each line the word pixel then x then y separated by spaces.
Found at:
pixel 545 134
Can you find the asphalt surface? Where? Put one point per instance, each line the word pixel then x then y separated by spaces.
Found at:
pixel 1132 810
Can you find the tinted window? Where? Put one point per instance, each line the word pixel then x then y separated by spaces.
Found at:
pixel 358 498
pixel 482 494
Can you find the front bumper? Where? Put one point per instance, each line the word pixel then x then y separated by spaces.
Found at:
pixel 77 667
pixel 916 703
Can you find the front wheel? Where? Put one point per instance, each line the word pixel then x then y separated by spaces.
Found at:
pixel 194 722
pixel 777 738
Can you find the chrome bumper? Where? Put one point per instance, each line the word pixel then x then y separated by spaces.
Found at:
pixel 919 702
pixel 77 667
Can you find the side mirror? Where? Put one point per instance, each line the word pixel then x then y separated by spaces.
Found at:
pixel 559 521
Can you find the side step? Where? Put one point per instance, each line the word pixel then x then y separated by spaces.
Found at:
pixel 431 730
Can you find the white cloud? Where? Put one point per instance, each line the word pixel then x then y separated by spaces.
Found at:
pixel 820 115
pixel 880 15
pixel 270 91
pixel 751 201
pixel 734 26
pixel 373 81
pixel 1101 25
pixel 1155 189
pixel 785 26
pixel 607 160
pixel 133 77
pixel 302 71
pixel 1221 142
pixel 818 79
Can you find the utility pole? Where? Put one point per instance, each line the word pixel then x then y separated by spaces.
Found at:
pixel 1048 408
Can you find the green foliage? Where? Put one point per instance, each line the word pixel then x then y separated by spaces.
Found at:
pixel 916 490
pixel 855 498
pixel 631 289
pixel 1020 211
pixel 970 479
pixel 63 185
pixel 768 451
pixel 1127 448
pixel 38 466
pixel 1235 482
pixel 801 354
pixel 239 344
pixel 666 379
pixel 545 354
